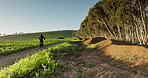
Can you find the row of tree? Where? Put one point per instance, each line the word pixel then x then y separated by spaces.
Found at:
pixel 117 19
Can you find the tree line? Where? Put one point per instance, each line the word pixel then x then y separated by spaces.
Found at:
pixel 117 19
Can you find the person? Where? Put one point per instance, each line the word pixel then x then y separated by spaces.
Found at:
pixel 41 37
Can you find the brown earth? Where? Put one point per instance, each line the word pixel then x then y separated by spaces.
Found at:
pixel 105 67
pixel 94 40
pixel 111 59
pixel 82 38
pixel 136 54
pixel 5 61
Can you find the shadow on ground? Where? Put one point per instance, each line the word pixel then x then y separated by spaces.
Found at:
pixel 101 65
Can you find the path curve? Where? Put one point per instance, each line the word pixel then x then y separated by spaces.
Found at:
pixel 6 61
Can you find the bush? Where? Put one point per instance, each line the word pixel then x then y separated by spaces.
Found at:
pixel 60 38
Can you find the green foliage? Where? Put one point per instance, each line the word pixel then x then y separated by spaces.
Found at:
pixel 77 75
pixel 30 66
pixel 64 65
pixel 65 47
pixel 60 55
pixel 12 47
pixel 90 64
pixel 141 59
pixel 91 47
pixel 64 76
pixel 118 58
pixel 38 65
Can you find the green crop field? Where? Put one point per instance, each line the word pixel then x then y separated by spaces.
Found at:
pixel 39 65
pixel 14 43
pixel 12 47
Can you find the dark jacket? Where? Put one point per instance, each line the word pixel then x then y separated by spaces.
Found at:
pixel 41 37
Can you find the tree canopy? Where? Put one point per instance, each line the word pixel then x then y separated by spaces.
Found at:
pixel 116 19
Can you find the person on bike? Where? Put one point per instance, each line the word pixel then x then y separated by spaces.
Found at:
pixel 41 38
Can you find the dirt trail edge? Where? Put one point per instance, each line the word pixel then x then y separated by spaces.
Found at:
pixel 6 61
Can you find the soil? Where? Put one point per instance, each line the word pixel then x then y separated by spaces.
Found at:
pixel 77 67
pixel 106 61
pixel 94 40
pixel 6 61
pixel 135 54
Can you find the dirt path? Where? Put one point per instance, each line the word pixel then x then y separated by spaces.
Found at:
pixel 5 61
pixel 94 64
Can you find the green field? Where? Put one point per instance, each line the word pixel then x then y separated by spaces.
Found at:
pixel 14 43
pixel 34 36
pixel 39 65
pixel 12 47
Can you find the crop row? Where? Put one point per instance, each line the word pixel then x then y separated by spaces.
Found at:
pixel 12 47
pixel 39 65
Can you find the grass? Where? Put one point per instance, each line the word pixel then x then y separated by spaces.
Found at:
pixel 62 55
pixel 34 36
pixel 91 47
pixel 12 47
pixel 77 40
pixel 64 65
pixel 133 59
pixel 30 66
pixel 64 76
pixel 38 65
pixel 90 64
pixel 77 75
pixel 141 59
pixel 118 58
pixel 65 47
pixel 14 43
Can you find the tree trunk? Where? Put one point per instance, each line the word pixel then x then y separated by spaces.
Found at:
pixel 119 32
pixel 143 23
pixel 137 33
pixel 108 29
pixel 126 34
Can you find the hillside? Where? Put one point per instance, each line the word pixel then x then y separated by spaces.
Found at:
pixel 34 36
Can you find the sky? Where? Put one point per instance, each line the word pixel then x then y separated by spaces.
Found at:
pixel 42 15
